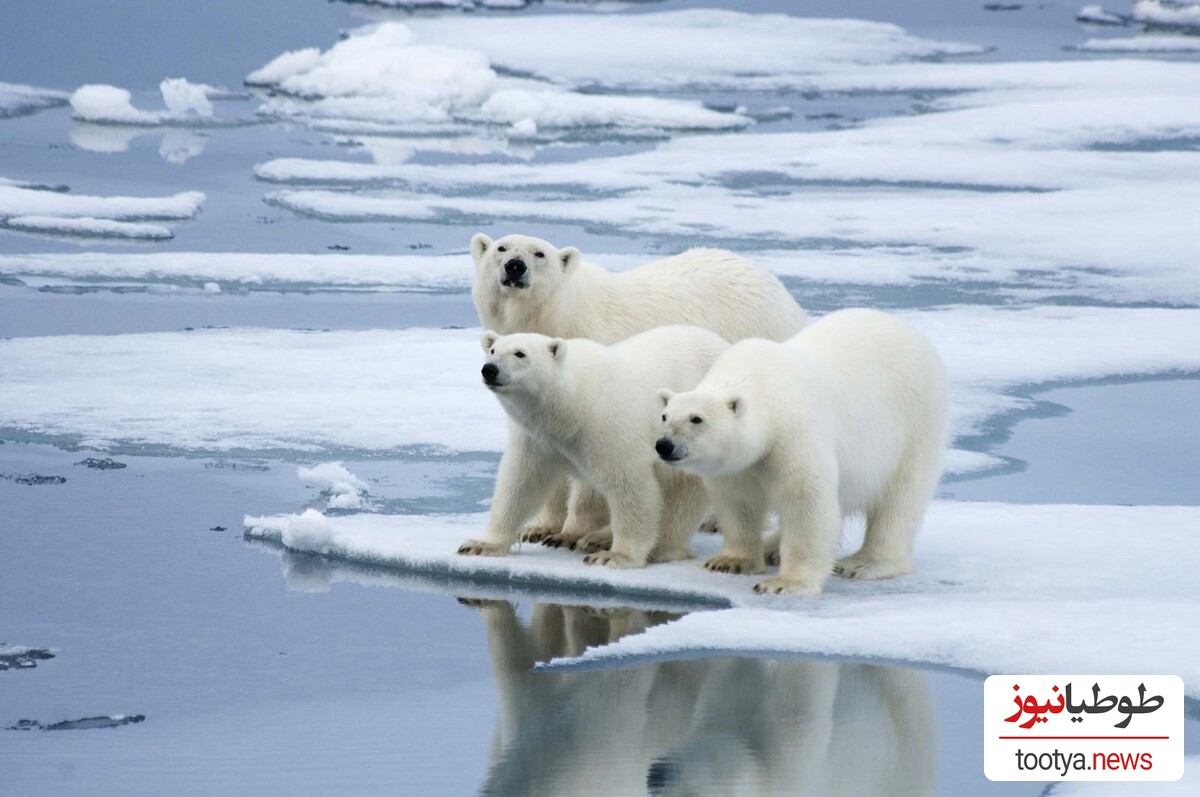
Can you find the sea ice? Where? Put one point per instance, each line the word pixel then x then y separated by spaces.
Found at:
pixel 30 209
pixel 385 74
pixel 345 490
pixel 17 100
pixel 87 226
pixel 1144 44
pixel 187 104
pixel 418 389
pixel 1159 14
pixel 994 589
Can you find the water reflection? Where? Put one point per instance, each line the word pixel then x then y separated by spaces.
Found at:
pixel 704 727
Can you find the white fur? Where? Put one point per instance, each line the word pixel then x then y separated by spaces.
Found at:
pixel 848 417
pixel 566 297
pixel 586 410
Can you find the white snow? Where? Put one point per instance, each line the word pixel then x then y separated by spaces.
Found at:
pixel 669 50
pixel 346 491
pixel 16 201
pixel 996 588
pixel 17 99
pixel 1144 44
pixel 186 104
pixel 1096 15
pixel 418 389
pixel 87 226
pixel 385 74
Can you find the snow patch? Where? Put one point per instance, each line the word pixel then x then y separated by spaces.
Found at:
pixel 345 490
pixel 187 104
pixel 87 226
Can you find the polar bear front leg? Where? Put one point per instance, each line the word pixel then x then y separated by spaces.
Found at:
pixel 526 477
pixel 741 512
pixel 636 508
pixel 549 521
pixel 810 522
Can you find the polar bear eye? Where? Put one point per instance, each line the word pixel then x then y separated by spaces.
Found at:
pixel 501 248
pixel 520 355
pixel 539 254
pixel 492 350
pixel 697 419
pixel 664 417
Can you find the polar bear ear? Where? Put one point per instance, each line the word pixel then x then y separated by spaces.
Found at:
pixel 558 348
pixel 665 395
pixel 488 339
pixel 736 404
pixel 569 258
pixel 479 246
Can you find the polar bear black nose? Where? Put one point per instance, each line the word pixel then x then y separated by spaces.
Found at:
pixel 490 372
pixel 515 267
pixel 664 447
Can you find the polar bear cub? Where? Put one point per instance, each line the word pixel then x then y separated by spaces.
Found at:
pixel 850 416
pixel 586 410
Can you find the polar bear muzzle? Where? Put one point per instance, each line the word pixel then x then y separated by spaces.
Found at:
pixel 516 274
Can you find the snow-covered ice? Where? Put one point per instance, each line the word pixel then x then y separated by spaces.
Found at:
pixel 386 74
pixel 89 227
pixel 996 588
pixel 1144 44
pixel 1096 15
pixel 418 389
pixel 345 490
pixel 186 104
pixel 1169 14
pixel 17 99
pixel 711 48
pixel 22 657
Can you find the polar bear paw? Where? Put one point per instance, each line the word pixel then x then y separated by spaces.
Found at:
pixel 786 586
pixel 594 542
pixel 610 559
pixel 864 568
pixel 737 565
pixel 482 548
pixel 536 532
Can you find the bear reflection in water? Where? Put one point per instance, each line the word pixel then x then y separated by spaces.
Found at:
pixel 715 726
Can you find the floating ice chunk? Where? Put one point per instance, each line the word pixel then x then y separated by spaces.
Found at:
pixel 182 97
pixel 60 188
pixel 187 103
pixel 22 657
pixel 16 201
pixel 1096 15
pixel 385 74
pixel 88 227
pixel 1158 14
pixel 17 100
pixel 346 491
pixel 977 567
pixel 705 47
pixel 1144 44
pixel 212 288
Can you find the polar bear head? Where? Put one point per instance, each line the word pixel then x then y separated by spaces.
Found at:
pixel 519 266
pixel 708 432
pixel 524 363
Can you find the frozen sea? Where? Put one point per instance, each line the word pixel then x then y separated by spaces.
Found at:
pixel 1035 218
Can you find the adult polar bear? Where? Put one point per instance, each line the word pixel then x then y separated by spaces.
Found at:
pixel 578 407
pixel 849 416
pixel 525 284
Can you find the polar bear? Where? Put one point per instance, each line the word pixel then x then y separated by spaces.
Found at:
pixel 849 416
pixel 525 284
pixel 582 409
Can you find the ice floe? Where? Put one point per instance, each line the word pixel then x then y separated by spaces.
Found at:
pixel 1167 14
pixel 708 48
pixel 996 588
pixel 187 104
pixel 385 74
pixel 344 489
pixel 31 209
pixel 22 657
pixel 1144 44
pixel 18 100
pixel 417 390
